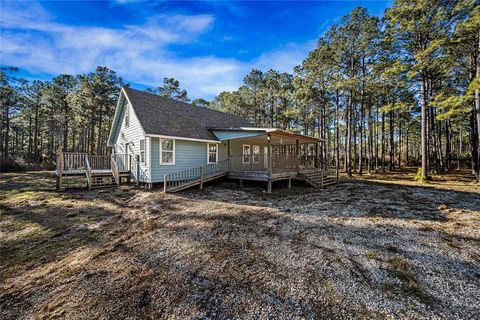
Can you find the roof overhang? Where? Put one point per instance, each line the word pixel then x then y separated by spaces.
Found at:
pixel 180 138
pixel 274 132
pixel 115 123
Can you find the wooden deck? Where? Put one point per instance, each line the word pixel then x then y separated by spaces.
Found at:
pixel 280 167
pixel 111 170
pixel 98 170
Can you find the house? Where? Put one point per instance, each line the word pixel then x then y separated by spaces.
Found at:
pixel 157 140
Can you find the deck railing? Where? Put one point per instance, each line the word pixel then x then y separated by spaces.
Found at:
pixel 136 172
pixel 100 162
pixel 285 163
pixel 123 161
pixel 179 178
pixel 71 162
pixel 260 163
pixel 75 162
pixel 115 173
pixel 88 172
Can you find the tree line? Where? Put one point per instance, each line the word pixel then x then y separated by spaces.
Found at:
pixel 400 90
pixel 387 92
pixel 72 112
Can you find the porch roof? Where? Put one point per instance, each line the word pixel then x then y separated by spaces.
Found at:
pixel 228 133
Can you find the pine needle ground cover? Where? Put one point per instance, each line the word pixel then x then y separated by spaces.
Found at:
pixel 370 247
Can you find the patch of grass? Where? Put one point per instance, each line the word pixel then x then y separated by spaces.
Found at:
pixel 420 178
pixel 425 228
pixel 401 268
pixel 442 207
pixel 372 255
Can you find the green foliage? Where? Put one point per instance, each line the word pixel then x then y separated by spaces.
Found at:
pixel 419 177
pixel 171 89
pixel 360 88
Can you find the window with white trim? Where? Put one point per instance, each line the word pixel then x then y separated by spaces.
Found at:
pixel 142 151
pixel 246 153
pixel 212 156
pixel 127 116
pixel 256 154
pixel 167 151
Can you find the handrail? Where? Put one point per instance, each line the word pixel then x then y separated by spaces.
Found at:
pixel 59 161
pixel 88 172
pixel 308 165
pixel 137 172
pixel 115 174
pixel 193 175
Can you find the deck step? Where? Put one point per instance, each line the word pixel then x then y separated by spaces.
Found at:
pixel 318 179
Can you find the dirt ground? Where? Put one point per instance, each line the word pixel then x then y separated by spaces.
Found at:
pixel 379 246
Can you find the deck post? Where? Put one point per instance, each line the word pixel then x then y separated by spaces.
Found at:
pixel 269 186
pixel 59 168
pixel 228 154
pixel 297 154
pixel 165 183
pixel 269 154
pixel 289 186
pixel 200 177
pixel 137 158
pixel 316 164
pixel 240 181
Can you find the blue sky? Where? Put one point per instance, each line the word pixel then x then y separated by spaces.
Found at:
pixel 208 46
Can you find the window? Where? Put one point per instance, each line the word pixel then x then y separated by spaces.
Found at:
pixel 167 151
pixel 142 151
pixel 127 116
pixel 256 154
pixel 246 154
pixel 212 156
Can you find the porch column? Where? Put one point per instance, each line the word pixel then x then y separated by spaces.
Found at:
pixel 228 154
pixel 297 153
pixel 269 154
pixel 316 156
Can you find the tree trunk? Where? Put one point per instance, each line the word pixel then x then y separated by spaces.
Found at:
pixel 424 135
pixel 383 141
pixel 477 105
pixel 392 139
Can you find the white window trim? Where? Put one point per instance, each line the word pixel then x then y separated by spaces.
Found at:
pixel 160 153
pixel 144 151
pixel 208 153
pixel 249 156
pixel 253 154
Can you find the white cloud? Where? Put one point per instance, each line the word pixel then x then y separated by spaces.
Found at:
pixel 31 40
pixel 284 59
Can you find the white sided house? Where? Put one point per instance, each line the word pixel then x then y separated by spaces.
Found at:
pixel 157 140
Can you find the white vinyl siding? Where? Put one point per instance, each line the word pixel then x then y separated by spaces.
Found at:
pixel 127 116
pixel 127 140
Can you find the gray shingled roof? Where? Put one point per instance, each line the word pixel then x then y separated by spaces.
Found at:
pixel 168 117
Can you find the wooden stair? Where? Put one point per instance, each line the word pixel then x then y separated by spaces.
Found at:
pixel 197 182
pixel 318 178
pixel 196 176
pixel 102 180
